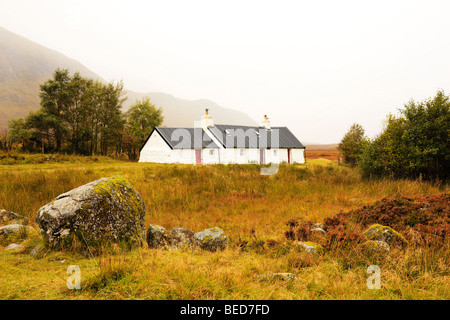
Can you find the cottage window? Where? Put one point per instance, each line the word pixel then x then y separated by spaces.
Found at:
pixel 211 152
pixel 242 153
pixel 274 152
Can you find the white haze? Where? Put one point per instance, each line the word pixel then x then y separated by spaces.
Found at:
pixel 314 66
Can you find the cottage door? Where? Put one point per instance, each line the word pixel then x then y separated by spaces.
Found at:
pixel 261 156
pixel 198 156
pixel 289 155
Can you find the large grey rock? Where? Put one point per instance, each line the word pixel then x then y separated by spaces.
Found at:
pixel 212 239
pixel 157 237
pixel 13 228
pixel 103 211
pixel 180 237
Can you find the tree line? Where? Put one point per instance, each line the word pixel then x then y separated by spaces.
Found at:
pixel 414 144
pixel 83 116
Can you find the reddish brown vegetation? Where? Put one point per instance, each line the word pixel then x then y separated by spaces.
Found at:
pixel 330 154
pixel 424 219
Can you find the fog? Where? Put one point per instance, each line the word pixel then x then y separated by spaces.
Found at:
pixel 316 67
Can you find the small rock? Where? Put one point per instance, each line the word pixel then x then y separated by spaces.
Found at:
pixel 13 228
pixel 212 239
pixel 310 247
pixel 280 275
pixel 14 246
pixel 318 231
pixel 157 236
pixel 36 251
pixel 317 225
pixel 180 237
pixel 6 216
pixel 386 234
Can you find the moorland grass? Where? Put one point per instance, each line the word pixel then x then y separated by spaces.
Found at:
pixel 250 208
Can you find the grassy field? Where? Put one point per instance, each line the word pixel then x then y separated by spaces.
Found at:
pixel 250 208
pixel 329 154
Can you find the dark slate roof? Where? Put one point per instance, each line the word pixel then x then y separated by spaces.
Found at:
pixel 186 138
pixel 232 136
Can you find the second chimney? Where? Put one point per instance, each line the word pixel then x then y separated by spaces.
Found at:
pixel 266 123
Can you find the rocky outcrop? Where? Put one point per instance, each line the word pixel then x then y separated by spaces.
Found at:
pixel 103 211
pixel 212 239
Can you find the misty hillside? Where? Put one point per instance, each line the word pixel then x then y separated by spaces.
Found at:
pixel 25 64
pixel 182 113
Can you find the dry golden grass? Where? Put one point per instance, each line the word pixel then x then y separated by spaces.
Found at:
pixel 248 206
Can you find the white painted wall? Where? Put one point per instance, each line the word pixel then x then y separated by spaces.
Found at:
pixel 157 150
pixel 297 156
pixel 186 156
pixel 210 156
pixel 276 155
pixel 239 156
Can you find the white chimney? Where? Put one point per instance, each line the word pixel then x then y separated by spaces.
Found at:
pixel 265 123
pixel 207 120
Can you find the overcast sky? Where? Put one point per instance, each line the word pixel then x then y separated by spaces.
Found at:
pixel 314 66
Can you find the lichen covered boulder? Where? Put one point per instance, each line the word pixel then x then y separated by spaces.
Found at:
pixel 181 237
pixel 212 239
pixel 157 237
pixel 100 212
pixel 386 234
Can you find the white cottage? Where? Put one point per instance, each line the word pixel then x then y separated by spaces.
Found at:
pixel 207 143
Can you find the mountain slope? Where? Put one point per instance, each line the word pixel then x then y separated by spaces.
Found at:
pixel 182 113
pixel 25 64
